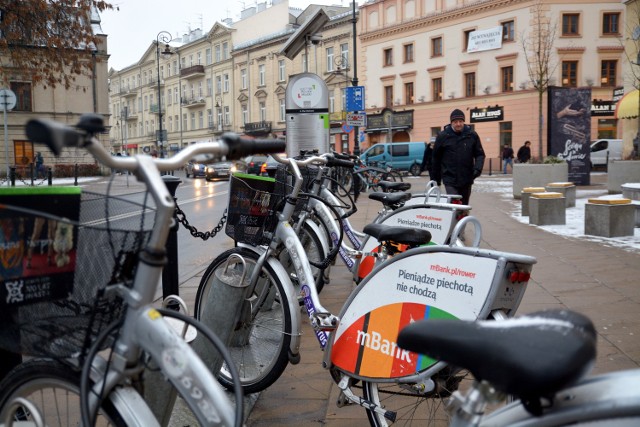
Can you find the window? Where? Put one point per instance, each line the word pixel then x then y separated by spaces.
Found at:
pixel 470 84
pixel 243 78
pixel 344 54
pixel 193 121
pixel 23 96
pixel 261 75
pixel 226 116
pixel 329 59
pixel 608 73
pixel 400 150
pixel 219 118
pixel 408 52
pixel 570 73
pixel 508 31
pixel 210 118
pixel 218 53
pixel 263 111
pixel 505 134
pixel 466 36
pixel 610 24
pixel 282 109
pixel 245 114
pixel 200 119
pixel 570 24
pixel 191 64
pixel 175 67
pixel 184 121
pixel 209 87
pixel 225 83
pixel 200 91
pixel 176 97
pixel 507 79
pixel 387 57
pixel 436 85
pixel 388 96
pixel 408 93
pixel 199 58
pixel 207 54
pixel 436 46
pixel 225 50
pixel 281 70
pixel 218 84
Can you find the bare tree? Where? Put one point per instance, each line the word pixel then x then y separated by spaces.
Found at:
pixel 47 41
pixel 538 47
pixel 631 44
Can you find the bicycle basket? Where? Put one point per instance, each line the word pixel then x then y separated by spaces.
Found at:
pixel 284 184
pixel 65 251
pixel 251 209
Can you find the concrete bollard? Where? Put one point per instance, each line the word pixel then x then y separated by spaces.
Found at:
pixel 222 308
pixel 547 209
pixel 609 217
pixel 567 189
pixel 526 193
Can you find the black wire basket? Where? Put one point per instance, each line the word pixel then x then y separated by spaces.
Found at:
pixel 251 213
pixel 67 250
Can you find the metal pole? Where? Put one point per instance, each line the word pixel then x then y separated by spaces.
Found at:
pixel 165 37
pixel 354 81
pixel 6 139
pixel 170 278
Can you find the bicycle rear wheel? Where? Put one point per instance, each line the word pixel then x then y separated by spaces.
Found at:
pixel 54 389
pixel 412 407
pixel 260 344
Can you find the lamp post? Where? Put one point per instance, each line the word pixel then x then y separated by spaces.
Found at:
pixel 220 108
pixel 164 37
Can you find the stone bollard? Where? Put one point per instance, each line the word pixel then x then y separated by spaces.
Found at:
pixel 547 208
pixel 525 195
pixel 568 190
pixel 609 217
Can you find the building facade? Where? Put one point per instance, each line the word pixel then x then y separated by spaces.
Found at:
pixel 87 94
pixel 422 59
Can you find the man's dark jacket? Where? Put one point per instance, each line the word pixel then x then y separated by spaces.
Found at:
pixel 457 158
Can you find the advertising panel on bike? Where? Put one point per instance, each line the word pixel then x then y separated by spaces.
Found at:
pixel 38 243
pixel 422 286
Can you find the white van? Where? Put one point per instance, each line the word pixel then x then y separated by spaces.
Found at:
pixel 603 150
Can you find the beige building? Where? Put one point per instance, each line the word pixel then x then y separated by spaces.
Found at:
pixel 88 94
pixel 233 78
pixel 422 59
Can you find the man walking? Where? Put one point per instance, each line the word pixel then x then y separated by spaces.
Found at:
pixel 524 152
pixel 458 157
pixel 507 158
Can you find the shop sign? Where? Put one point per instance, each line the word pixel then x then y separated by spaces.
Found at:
pixel 487 114
pixel 603 108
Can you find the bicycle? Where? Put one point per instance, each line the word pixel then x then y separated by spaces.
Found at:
pixel 458 282
pixel 368 177
pixel 97 342
pixel 542 359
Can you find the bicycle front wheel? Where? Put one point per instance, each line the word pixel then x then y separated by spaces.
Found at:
pixel 54 390
pixel 410 406
pixel 259 346
pixel 315 253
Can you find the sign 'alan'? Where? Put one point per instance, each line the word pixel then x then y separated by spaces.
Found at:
pixel 487 114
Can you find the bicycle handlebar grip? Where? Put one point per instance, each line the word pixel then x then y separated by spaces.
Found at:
pixel 332 161
pixel 54 134
pixel 344 156
pixel 240 147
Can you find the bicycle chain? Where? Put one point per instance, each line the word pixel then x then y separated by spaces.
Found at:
pixel 182 219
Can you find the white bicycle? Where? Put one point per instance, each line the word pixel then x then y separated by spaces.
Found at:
pixel 97 339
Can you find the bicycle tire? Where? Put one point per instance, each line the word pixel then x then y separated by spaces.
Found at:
pixel 262 358
pixel 54 388
pixel 313 248
pixel 392 176
pixel 414 408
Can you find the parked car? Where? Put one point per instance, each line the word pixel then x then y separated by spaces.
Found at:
pixel 196 167
pixel 604 150
pixel 270 166
pixel 223 170
pixel 254 163
pixel 404 156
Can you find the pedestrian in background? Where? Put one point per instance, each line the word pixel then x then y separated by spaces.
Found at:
pixel 39 163
pixel 507 158
pixel 524 152
pixel 458 157
pixel 427 158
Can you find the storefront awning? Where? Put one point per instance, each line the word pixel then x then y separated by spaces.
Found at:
pixel 627 107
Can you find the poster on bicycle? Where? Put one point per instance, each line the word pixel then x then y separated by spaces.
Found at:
pixel 410 288
pixel 38 243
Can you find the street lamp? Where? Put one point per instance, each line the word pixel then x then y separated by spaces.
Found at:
pixel 220 108
pixel 164 37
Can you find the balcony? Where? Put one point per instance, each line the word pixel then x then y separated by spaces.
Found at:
pixel 193 102
pixel 218 128
pixel 127 92
pixel 257 128
pixel 154 83
pixel 153 109
pixel 192 72
pixel 131 116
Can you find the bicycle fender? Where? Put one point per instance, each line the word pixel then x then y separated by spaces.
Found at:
pixel 132 407
pixel 292 298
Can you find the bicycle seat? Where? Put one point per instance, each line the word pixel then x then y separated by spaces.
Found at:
pixel 404 235
pixel 390 200
pixel 530 357
pixel 389 186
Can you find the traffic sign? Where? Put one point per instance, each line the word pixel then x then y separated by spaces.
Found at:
pixel 346 128
pixel 357 119
pixel 7 99
pixel 354 98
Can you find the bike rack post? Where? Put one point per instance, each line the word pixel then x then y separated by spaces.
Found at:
pixel 75 174
pixel 170 280
pixel 222 309
pixel 12 175
pixel 49 177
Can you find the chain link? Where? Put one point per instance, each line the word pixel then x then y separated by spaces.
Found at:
pixel 182 219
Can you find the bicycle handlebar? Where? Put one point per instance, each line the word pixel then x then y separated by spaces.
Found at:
pixel 58 135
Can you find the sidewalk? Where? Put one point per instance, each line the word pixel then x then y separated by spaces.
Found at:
pixel 590 277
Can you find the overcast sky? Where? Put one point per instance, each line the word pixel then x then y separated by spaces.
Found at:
pixel 136 24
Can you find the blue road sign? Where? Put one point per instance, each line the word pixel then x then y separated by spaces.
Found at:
pixel 355 98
